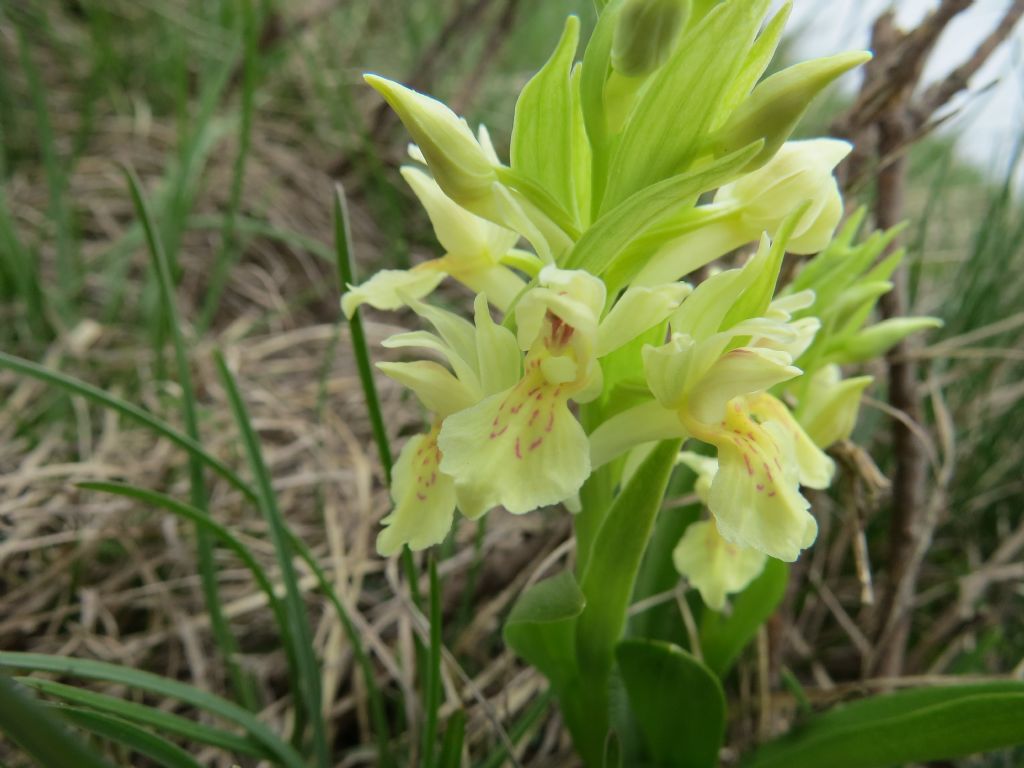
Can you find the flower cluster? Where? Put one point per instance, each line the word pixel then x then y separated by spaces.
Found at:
pixel 629 172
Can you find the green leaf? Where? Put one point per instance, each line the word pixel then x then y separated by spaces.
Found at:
pixel 756 297
pixel 610 235
pixel 906 727
pixel 658 574
pixel 756 62
pixel 161 686
pixel 593 74
pixel 40 732
pixel 131 736
pixel 543 135
pixel 612 751
pixel 674 112
pixel 607 585
pixel 677 701
pixel 614 563
pixel 540 626
pixel 723 637
pixel 140 713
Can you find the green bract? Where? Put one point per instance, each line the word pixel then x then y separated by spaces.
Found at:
pixel 657 155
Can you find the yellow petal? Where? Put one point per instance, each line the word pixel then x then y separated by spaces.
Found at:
pixel 637 310
pixel 755 497
pixel 643 423
pixel 467 238
pixel 390 289
pixel 424 498
pixel 705 467
pixel 738 372
pixel 714 566
pixel 434 385
pixel 520 449
pixel 814 468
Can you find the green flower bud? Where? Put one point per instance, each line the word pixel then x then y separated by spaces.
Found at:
pixel 800 172
pixel 460 165
pixel 777 103
pixel 878 339
pixel 645 34
pixel 828 410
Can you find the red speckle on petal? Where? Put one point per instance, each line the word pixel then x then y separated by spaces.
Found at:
pixel 421 496
pixel 519 453
pixel 750 469
pixel 536 443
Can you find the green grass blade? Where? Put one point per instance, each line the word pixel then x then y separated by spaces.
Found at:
pixel 136 739
pixel 228 252
pixel 307 671
pixel 40 733
pixel 433 674
pixel 160 686
pixel 342 240
pixel 68 268
pixel 522 726
pixel 241 683
pixel 22 269
pixel 141 415
pixel 201 519
pixel 377 712
pixel 140 713
pixel 346 274
pixel 454 734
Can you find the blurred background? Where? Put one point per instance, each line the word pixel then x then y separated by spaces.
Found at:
pixel 239 126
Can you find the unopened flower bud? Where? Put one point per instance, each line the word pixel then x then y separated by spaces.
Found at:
pixel 828 412
pixel 460 165
pixel 646 34
pixel 878 339
pixel 800 172
pixel 775 106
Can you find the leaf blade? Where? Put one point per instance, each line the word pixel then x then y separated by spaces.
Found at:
pixel 678 702
pixel 956 725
